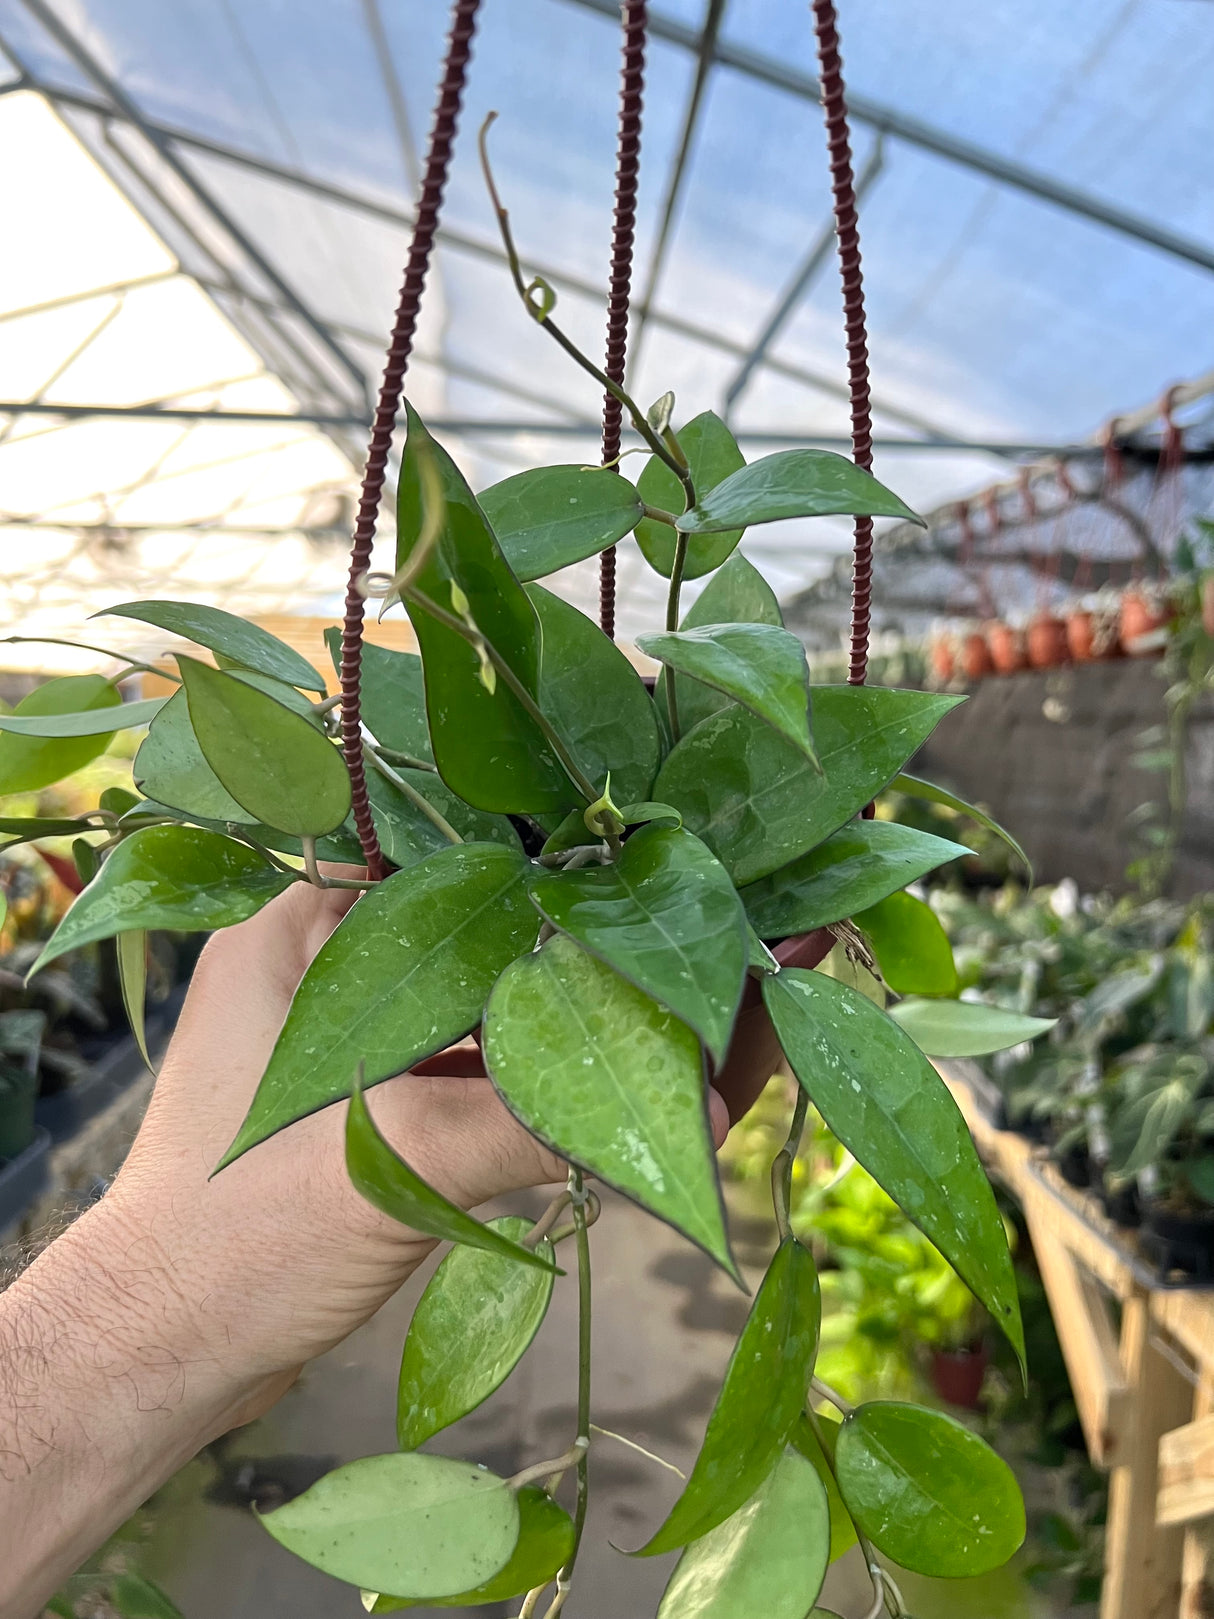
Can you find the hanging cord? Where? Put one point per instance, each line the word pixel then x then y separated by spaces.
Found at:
pixel 438 159
pixel 627 167
pixel 834 106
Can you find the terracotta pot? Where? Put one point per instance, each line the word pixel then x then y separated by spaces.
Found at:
pixel 1207 603
pixel 944 662
pixel 1047 642
pixel 975 657
pixel 1006 647
pixel 1091 636
pixel 957 1375
pixel 1141 616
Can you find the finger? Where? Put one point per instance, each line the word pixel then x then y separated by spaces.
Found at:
pixel 718 1117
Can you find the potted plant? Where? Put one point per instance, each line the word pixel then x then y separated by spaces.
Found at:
pixel 1145 614
pixel 975 656
pixel 620 894
pixel 1046 644
pixel 1093 631
pixel 1006 646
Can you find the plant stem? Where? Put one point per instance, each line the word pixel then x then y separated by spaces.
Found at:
pixel 577 1195
pixel 781 1169
pixel 540 314
pixel 418 800
pixel 827 1393
pixel 621 1439
pixel 672 623
pixel 475 639
pixel 395 757
pixel 553 1468
pixel 875 1572
pixel 317 878
pixel 85 646
pixel 547 1220
pixel 236 830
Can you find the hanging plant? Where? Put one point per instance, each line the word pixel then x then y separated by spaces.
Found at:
pixel 597 881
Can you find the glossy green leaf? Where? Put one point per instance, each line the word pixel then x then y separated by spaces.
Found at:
pixel 422 1526
pixel 639 814
pixel 545 1542
pixel 406 833
pixel 596 700
pixel 551 516
pixel 894 1114
pixel 245 644
pixel 101 721
pixel 927 1492
pixel 667 917
pixel 805 1439
pixel 29 763
pixel 117 801
pixel 171 769
pixel 966 1028
pixel 472 1326
pixel 272 761
pixel 757 953
pixel 913 787
pixel 792 483
pixel 736 594
pixel 911 947
pixel 489 750
pixel 383 1177
pixel 767 1561
pixel 758 803
pixel 132 952
pixel 27 828
pixel 760 666
pixel 136 1598
pixel 860 864
pixel 181 878
pixel 424 948
pixel 611 1081
pixel 759 1402
pixel 712 455
pixel 393 696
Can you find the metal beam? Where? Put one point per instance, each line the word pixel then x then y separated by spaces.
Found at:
pixel 495 426
pixel 706 50
pixel 1019 176
pixel 475 247
pixel 393 90
pixel 814 260
pixel 113 91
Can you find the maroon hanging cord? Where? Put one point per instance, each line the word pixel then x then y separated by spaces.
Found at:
pixel 438 159
pixel 834 106
pixel 623 230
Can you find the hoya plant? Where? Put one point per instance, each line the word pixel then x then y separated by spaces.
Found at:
pixel 592 877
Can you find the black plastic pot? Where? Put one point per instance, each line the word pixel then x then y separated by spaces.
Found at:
pixel 1179 1242
pixel 1075 1165
pixel 22 1178
pixel 1119 1200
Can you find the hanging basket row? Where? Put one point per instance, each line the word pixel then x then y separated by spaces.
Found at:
pixel 1131 625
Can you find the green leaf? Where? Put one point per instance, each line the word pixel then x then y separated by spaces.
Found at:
pixel 736 594
pixel 181 878
pixel 805 1438
pixel 132 952
pixel 965 1028
pixel 860 864
pixel 551 516
pixel 247 645
pixel 639 814
pixel 758 665
pixel 927 1492
pixel 103 721
pixel 26 828
pixel 596 701
pixel 137 1598
pixel 545 1543
pixel 117 801
pixel 423 949
pixel 667 917
pixel 758 803
pixel 421 1526
pixel 472 1326
pixel 611 1081
pixel 911 947
pixel 171 769
pixel 759 1402
pixel 272 761
pixel 793 483
pixel 767 1561
pixel 393 697
pixel 383 1177
pixel 408 835
pixel 913 787
pixel 894 1114
pixel 712 455
pixel 29 763
pixel 518 771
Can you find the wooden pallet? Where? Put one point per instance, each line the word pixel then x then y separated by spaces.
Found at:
pixel 1143 1385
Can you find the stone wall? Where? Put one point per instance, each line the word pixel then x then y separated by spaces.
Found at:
pixel 1050 754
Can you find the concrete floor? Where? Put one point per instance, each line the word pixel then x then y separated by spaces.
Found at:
pixel 665 1321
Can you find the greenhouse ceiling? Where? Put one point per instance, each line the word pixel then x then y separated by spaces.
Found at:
pixel 207 206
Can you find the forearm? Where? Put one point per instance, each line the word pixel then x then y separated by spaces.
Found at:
pixel 105 1390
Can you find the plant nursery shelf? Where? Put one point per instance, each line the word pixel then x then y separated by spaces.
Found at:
pixel 1144 1387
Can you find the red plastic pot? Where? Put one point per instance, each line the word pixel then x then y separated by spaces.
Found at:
pixel 1006 648
pixel 1141 616
pixel 958 1374
pixel 975 657
pixel 1046 642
